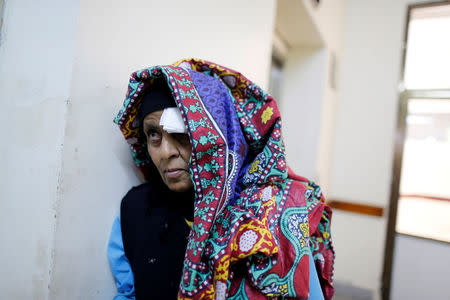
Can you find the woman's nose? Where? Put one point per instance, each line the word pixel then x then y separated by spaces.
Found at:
pixel 169 147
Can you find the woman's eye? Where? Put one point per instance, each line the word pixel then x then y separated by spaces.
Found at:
pixel 154 137
pixel 182 138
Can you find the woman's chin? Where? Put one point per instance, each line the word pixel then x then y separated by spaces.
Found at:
pixel 180 186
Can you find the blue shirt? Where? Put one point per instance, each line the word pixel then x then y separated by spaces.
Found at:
pixel 120 266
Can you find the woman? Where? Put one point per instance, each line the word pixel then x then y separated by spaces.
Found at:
pixel 257 230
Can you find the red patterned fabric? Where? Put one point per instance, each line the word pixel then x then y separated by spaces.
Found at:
pixel 254 223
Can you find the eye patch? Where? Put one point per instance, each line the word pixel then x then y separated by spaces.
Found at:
pixel 172 121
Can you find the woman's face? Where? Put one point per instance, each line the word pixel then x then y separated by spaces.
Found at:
pixel 170 152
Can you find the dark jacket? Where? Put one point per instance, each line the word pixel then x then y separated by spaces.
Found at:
pixel 155 232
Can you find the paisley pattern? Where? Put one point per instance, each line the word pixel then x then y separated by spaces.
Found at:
pixel 254 220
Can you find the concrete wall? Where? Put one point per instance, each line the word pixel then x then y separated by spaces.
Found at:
pixel 329 18
pixel 36 54
pixel 313 35
pixel 304 81
pixel 362 155
pixel 363 148
pixel 420 269
pixel 64 70
pixel 346 143
pixel 115 38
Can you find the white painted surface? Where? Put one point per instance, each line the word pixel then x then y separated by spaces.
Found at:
pixel 36 52
pixel 359 246
pixel 329 17
pixel 363 152
pixel 302 99
pixel 421 269
pixel 307 29
pixel 295 25
pixel 362 155
pixel 114 39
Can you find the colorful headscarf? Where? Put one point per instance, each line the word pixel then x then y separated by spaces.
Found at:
pixel 255 222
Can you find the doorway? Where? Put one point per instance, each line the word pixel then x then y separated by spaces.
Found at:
pixel 418 233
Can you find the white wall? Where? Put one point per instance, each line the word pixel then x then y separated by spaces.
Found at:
pixel 420 269
pixel 313 35
pixel 67 166
pixel 363 153
pixel 115 38
pixel 304 81
pixel 329 18
pixel 36 52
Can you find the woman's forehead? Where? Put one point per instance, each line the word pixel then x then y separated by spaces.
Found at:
pixel 153 118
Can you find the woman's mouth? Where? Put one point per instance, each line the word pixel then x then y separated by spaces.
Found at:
pixel 174 173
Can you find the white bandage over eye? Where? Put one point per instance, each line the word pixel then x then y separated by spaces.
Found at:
pixel 172 121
